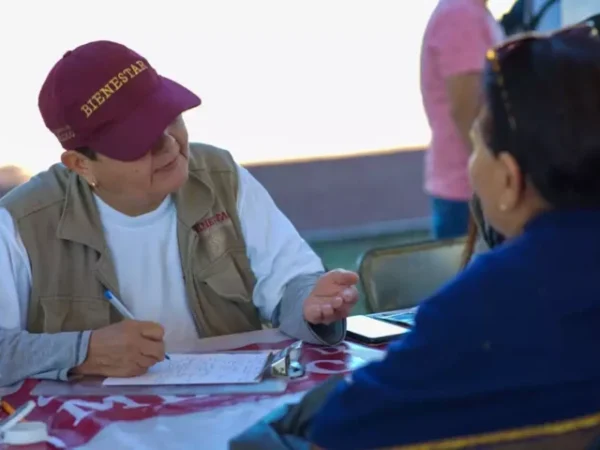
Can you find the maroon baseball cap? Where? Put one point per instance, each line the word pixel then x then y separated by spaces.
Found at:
pixel 104 96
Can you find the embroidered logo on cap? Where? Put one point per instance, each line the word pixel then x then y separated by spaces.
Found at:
pixel 64 134
pixel 112 86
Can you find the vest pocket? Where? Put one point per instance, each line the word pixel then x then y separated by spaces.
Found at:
pixel 223 295
pixel 61 314
pixel 225 277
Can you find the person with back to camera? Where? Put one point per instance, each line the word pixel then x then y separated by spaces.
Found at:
pixel 511 341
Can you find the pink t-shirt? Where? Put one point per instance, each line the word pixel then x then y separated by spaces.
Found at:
pixel 456 39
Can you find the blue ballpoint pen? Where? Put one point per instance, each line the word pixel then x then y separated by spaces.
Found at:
pixel 119 306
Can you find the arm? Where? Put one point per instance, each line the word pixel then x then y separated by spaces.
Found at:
pixel 43 356
pixel 460 43
pixel 285 266
pixel 22 354
pixel 464 93
pixel 289 315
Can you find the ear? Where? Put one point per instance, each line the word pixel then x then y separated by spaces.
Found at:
pixel 80 164
pixel 513 181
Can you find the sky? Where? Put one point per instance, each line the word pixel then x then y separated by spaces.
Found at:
pixel 279 79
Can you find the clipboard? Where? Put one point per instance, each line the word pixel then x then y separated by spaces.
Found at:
pixel 286 363
pixel 281 366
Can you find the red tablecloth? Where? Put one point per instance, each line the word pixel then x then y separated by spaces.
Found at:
pixel 206 421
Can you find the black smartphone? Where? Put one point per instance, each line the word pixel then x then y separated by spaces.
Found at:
pixel 403 318
pixel 373 331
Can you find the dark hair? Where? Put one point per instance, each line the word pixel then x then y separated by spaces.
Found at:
pixel 518 19
pixel 593 21
pixel 87 152
pixel 543 102
pixel 479 228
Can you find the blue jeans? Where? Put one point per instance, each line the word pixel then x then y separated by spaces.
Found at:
pixel 450 218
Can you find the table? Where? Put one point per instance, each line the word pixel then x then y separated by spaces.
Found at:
pixel 200 421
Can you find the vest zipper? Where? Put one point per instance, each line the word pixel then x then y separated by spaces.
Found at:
pixel 107 285
pixel 191 288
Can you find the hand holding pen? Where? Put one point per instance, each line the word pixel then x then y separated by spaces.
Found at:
pixel 125 349
pixel 120 306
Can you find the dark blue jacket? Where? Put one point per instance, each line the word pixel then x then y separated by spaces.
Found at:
pixel 513 340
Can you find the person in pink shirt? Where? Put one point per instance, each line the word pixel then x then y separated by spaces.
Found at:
pixel 458 34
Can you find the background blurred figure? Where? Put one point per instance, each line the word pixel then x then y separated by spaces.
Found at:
pixel 457 36
pixel 10 177
pixel 530 15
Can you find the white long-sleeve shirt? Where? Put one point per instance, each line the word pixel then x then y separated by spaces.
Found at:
pixel 145 253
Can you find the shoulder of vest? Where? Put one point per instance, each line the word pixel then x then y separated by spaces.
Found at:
pixel 43 190
pixel 204 157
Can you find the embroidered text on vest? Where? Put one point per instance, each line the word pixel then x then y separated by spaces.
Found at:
pixel 211 221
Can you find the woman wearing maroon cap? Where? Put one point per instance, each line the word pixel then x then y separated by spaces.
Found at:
pixel 136 224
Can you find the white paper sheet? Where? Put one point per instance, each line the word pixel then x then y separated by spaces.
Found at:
pixel 210 368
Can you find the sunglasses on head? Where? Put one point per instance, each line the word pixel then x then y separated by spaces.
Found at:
pixel 498 54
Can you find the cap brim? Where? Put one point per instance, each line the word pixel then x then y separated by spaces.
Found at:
pixel 134 136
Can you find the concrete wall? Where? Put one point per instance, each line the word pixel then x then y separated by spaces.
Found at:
pixel 350 196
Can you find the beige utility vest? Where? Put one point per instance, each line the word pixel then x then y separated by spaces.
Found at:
pixel 56 216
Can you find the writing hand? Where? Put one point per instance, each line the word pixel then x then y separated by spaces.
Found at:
pixel 124 349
